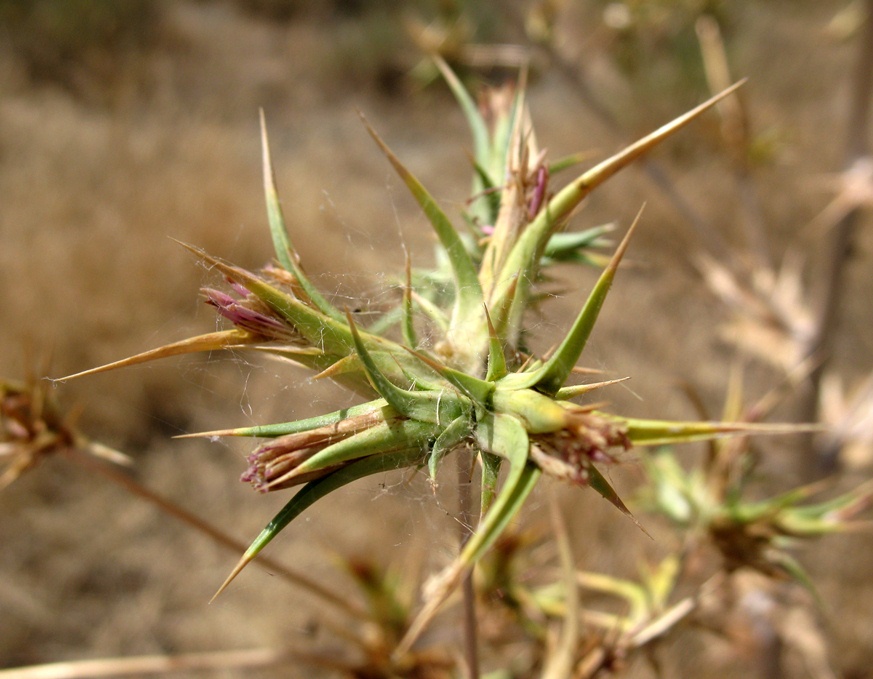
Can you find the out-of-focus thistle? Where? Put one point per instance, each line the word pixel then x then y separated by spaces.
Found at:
pixel 32 428
pixel 710 504
pixel 750 534
pixel 473 388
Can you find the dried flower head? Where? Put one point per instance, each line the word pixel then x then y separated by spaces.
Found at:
pixel 33 428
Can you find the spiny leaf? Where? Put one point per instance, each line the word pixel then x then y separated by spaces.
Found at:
pixel 569 197
pixel 285 252
pixel 406 373
pixel 602 487
pixel 662 432
pixel 491 147
pixel 426 406
pixel 503 312
pixel 341 369
pixel 554 372
pixel 503 126
pixel 214 341
pixel 833 514
pixel 485 188
pixel 565 246
pixel 471 112
pixel 567 162
pixel 791 567
pixel 468 291
pixel 528 249
pixel 807 520
pixel 478 390
pixel 285 428
pixel 512 215
pixel 386 437
pixel 407 324
pixel 432 311
pixel 749 512
pixel 314 491
pixel 576 390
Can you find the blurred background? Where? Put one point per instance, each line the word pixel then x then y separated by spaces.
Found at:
pixel 126 125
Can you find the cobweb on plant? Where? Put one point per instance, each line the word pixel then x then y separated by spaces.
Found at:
pixel 271 390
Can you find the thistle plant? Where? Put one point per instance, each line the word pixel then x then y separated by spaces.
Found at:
pixel 710 504
pixel 476 387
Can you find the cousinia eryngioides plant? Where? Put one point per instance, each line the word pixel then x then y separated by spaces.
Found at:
pixel 476 387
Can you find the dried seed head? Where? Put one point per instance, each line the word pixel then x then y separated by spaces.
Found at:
pixel 275 464
pixel 568 453
pixel 31 428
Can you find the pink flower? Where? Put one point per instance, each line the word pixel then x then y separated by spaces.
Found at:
pixel 249 314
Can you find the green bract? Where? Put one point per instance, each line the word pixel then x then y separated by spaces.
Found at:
pixel 474 387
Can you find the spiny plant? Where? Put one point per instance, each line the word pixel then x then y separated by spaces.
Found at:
pixel 476 387
pixel 724 544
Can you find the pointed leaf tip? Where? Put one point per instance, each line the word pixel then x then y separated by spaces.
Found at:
pixel 609 167
pixel 554 372
pixel 314 491
pixel 281 242
pixel 602 487
pixel 467 287
pixel 623 245
pixel 285 252
pixel 246 559
pixel 214 341
pixel 562 204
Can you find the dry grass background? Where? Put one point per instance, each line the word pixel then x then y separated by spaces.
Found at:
pixel 99 168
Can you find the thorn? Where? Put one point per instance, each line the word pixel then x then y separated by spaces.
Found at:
pixel 625 242
pixel 243 562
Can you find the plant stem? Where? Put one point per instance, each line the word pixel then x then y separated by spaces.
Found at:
pixel 137 666
pixel 216 534
pixel 465 510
